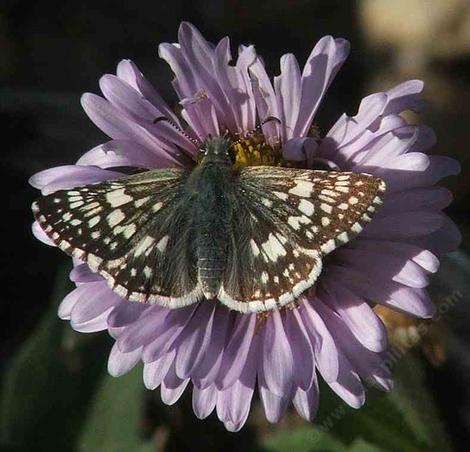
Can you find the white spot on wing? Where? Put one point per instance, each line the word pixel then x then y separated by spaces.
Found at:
pixel 144 245
pixel 254 248
pixel 115 217
pixel 161 245
pixel 303 188
pixel 306 207
pixel 117 198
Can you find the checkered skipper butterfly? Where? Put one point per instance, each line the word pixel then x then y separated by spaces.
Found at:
pixel 253 238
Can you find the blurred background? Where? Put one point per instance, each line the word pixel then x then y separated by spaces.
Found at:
pixel 55 393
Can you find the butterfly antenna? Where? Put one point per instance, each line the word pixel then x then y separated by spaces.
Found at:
pixel 262 123
pixel 195 141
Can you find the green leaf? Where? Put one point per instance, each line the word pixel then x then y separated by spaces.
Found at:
pixel 412 398
pixel 403 420
pixel 306 439
pixel 48 383
pixel 310 439
pixel 114 421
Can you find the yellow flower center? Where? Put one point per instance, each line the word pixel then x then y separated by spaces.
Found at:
pixel 252 150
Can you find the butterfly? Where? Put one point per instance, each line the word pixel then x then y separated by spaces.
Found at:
pixel 252 238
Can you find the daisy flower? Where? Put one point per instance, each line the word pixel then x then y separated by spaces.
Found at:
pixel 223 356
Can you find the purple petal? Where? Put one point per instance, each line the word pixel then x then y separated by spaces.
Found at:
pixel 120 363
pixel 155 371
pixel 306 402
pixel 398 226
pixel 288 90
pixel 384 266
pixel 384 291
pixel 326 354
pixel 265 99
pixel 41 235
pixel 82 274
pixel 125 313
pixel 274 406
pixel 204 401
pixel 237 350
pixel 233 403
pixel 172 387
pixel 120 126
pixel 143 112
pixel 116 153
pixel 98 323
pixel 208 369
pixel 143 331
pixel 445 240
pixel 131 74
pixel 406 251
pixel 195 342
pixel 322 66
pixel 98 299
pixel 302 351
pixel 405 178
pixel 70 176
pixel 277 362
pixel 71 299
pixel 348 386
pixel 358 317
pixel 234 86
pixel 405 97
pixel 371 366
pixel 347 129
pixel 429 198
pixel 200 58
pixel 169 329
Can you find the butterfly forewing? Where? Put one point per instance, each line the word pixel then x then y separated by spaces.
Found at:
pixel 286 220
pixel 134 231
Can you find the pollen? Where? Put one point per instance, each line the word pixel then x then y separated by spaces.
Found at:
pixel 253 150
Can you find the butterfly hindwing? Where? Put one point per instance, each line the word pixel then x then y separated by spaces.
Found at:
pixel 286 220
pixel 133 231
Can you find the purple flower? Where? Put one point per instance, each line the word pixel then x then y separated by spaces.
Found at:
pixel 333 330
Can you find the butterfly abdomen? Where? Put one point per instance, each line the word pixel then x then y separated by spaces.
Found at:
pixel 212 217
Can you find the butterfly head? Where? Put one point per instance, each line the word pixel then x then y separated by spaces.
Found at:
pixel 216 150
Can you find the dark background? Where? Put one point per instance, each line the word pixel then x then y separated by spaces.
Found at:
pixel 51 52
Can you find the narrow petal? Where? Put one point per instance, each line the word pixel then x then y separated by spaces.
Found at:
pixel 40 234
pixel 120 126
pixel 172 387
pixel 130 73
pixel 383 266
pixel 237 351
pixel 405 96
pixel 322 66
pixel 306 402
pixel 358 316
pixel 83 274
pixel 277 361
pixel 274 405
pixel 302 350
pixel 348 386
pixel 93 303
pixel 195 342
pixel 288 92
pixel 398 226
pixel 326 354
pixel 69 176
pixel 120 363
pixel 204 401
pixel 117 153
pixel 155 371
